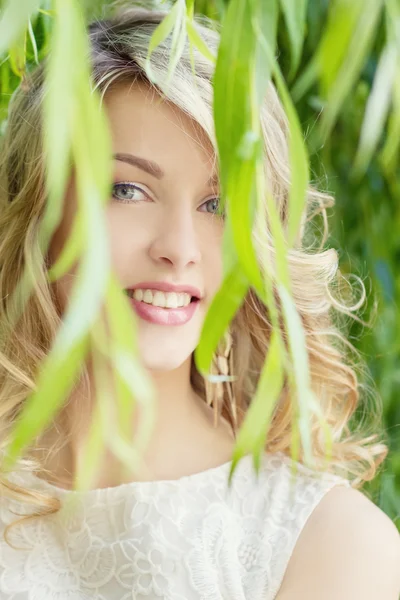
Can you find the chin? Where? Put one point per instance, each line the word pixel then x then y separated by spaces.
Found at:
pixel 164 357
pixel 165 349
pixel 163 363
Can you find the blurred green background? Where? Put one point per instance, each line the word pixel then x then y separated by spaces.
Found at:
pixel 365 221
pixel 364 227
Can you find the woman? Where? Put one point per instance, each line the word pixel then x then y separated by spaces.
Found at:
pixel 175 531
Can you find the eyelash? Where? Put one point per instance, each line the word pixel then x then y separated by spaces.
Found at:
pixel 136 187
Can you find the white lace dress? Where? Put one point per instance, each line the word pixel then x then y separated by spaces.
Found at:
pixel 189 539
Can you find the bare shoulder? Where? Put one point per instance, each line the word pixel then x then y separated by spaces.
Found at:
pixel 349 548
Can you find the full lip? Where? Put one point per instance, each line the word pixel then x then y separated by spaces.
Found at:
pixel 165 286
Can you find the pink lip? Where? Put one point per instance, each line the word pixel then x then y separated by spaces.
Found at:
pixel 164 286
pixel 164 316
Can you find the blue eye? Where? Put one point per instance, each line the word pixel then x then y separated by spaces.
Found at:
pixel 125 191
pixel 215 206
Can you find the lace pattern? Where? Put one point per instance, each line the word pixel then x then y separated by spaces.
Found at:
pixel 189 539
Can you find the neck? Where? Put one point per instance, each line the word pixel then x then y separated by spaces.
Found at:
pixel 183 439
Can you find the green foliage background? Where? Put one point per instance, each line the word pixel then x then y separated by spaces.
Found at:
pixel 365 222
pixel 365 227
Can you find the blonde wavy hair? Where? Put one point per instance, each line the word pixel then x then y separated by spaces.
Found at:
pixel 324 298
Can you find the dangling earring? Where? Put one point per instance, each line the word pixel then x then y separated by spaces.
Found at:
pixel 224 376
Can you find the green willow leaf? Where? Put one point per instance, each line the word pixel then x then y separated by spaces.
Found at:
pixel 306 79
pixel 33 42
pixel 178 39
pixel 295 12
pixel 197 41
pixel 46 16
pixel 92 456
pixel 132 386
pixel 352 64
pixel 61 98
pixel 161 32
pixel 133 381
pixel 265 27
pixel 224 306
pixel 307 404
pixel 70 252
pixel 299 163
pixel 377 108
pixel 327 59
pixel 40 407
pixel 237 129
pixel 253 432
pixel 17 55
pixel 88 138
pixel 388 156
pixel 14 20
pixel 342 22
pixel 232 76
pixel 5 92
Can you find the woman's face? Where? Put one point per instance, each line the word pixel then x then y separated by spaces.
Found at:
pixel 163 222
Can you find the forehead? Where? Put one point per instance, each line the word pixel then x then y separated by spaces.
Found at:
pixel 144 124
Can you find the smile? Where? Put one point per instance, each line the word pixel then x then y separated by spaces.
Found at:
pixel 163 315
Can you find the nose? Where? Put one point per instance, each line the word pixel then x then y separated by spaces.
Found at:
pixel 176 241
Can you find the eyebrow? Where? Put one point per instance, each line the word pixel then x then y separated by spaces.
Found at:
pixel 152 167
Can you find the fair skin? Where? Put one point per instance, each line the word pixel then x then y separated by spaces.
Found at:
pixel 167 230
pixel 348 549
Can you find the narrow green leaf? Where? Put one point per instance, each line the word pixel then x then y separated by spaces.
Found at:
pixel 17 55
pixel 307 403
pixel 253 433
pixel 178 39
pixel 299 163
pixel 41 406
pixel 327 59
pixel 132 386
pixel 391 147
pixel 224 306
pixel 190 9
pixel 61 98
pixel 306 79
pixel 134 383
pixel 33 42
pixel 238 129
pixel 265 27
pixel 70 253
pixel 377 108
pixel 295 12
pixel 88 468
pixel 161 32
pixel 232 79
pixel 388 157
pixel 352 64
pixel 343 18
pixel 241 187
pixel 86 297
pixel 14 19
pixel 196 39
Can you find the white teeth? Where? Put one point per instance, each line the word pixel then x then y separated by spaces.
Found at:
pixel 138 295
pixel 173 300
pixel 148 296
pixel 161 299
pixel 158 299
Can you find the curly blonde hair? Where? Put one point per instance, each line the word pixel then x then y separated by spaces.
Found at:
pixel 118 52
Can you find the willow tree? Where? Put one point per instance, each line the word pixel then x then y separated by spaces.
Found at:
pixel 261 40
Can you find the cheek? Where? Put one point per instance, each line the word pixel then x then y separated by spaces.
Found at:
pixel 212 260
pixel 128 239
